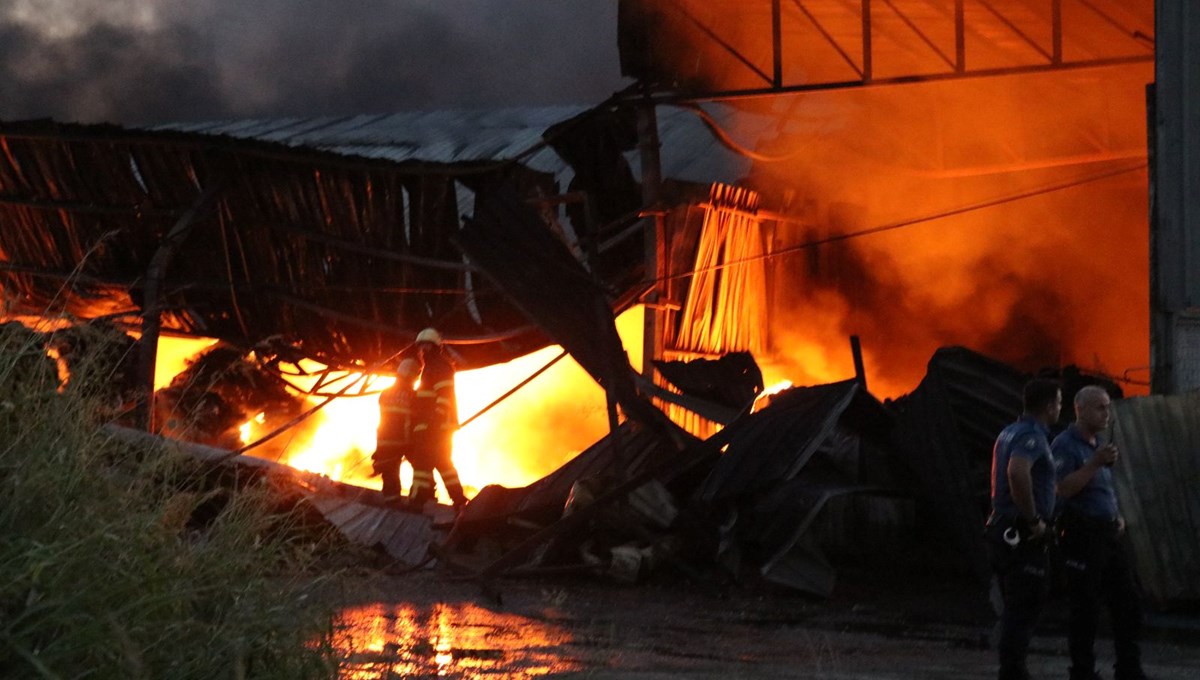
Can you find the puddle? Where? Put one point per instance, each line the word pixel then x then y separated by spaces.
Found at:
pixel 451 640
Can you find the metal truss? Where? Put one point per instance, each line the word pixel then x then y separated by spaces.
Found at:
pixel 872 41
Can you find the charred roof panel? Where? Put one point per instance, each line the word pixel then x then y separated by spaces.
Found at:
pixel 946 428
pixel 768 448
pixel 690 151
pixel 332 232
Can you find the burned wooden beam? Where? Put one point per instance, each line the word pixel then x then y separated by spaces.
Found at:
pixel 151 303
pixel 371 251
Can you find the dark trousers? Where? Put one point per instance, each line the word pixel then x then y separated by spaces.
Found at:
pixel 387 463
pixel 1023 573
pixel 1099 574
pixel 431 452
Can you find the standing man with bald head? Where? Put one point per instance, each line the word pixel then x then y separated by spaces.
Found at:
pixel 1097 566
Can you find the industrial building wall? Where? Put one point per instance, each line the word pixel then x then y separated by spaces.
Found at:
pixel 1175 200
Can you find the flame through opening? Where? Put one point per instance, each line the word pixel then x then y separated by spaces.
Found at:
pixel 520 440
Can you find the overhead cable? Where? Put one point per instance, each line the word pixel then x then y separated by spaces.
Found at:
pixel 912 222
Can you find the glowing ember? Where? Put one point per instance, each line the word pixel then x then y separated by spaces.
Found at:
pixel 762 400
pixel 776 388
pixel 244 430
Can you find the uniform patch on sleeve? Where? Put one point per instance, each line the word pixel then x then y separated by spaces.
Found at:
pixel 1030 443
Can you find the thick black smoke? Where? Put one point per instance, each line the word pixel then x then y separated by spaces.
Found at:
pixel 230 58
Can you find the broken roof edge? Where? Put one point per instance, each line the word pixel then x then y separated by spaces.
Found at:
pixel 467 140
pixel 52 130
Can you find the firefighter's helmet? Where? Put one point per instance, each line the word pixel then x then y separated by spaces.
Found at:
pixel 409 368
pixel 429 335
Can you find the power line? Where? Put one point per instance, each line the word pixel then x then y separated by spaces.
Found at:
pixel 910 222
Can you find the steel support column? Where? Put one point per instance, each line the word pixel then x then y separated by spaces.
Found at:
pixel 1174 122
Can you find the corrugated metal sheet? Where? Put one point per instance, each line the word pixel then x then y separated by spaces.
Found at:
pixel 428 136
pixel 946 428
pixel 690 152
pixel 1156 482
pixel 405 536
pixel 770 447
pixel 543 500
pixel 782 465
pixel 358 513
pixel 333 233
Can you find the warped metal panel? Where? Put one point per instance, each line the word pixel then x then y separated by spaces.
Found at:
pixel 333 233
pixel 946 428
pixel 768 448
pixel 629 448
pixel 1156 477
pixel 690 151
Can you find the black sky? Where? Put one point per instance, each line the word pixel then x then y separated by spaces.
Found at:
pixel 148 61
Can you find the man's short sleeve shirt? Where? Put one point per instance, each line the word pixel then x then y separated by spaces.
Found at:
pixel 1027 438
pixel 1097 498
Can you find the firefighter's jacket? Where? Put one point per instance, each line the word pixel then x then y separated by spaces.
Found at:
pixel 436 410
pixel 396 406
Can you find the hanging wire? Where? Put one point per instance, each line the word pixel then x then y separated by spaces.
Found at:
pixel 910 222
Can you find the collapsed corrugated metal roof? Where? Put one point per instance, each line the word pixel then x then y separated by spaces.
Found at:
pixel 750 510
pixel 946 428
pixel 782 466
pixel 690 152
pixel 770 447
pixel 330 234
pixel 629 448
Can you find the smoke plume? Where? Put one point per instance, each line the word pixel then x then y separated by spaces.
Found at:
pixel 145 61
pixel 1051 269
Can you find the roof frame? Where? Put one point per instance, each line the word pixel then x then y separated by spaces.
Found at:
pixel 857 47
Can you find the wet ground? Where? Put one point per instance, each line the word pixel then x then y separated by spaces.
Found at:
pixel 424 625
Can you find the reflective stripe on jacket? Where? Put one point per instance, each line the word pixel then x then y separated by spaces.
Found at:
pixel 436 407
pixel 396 406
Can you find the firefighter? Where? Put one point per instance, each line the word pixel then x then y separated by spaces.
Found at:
pixel 435 419
pixel 393 441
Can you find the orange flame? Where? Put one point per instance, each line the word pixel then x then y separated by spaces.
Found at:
pixel 520 440
pixel 174 353
pixel 1035 249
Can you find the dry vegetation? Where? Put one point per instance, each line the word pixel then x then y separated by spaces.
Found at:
pixel 120 562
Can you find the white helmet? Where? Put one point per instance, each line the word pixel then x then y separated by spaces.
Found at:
pixel 429 335
pixel 409 368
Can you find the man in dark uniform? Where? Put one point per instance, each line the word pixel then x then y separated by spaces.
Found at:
pixel 434 424
pixel 393 439
pixel 1097 566
pixel 1022 496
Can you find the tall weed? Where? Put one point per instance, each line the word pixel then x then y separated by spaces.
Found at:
pixel 125 562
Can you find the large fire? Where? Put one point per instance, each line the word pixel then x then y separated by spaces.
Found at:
pixel 1019 203
pixel 1020 225
pixel 521 439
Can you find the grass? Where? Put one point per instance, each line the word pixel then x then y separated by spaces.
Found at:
pixel 126 562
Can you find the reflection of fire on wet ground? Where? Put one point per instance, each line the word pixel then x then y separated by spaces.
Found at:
pixel 447 640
